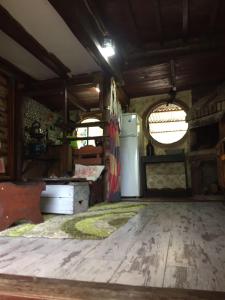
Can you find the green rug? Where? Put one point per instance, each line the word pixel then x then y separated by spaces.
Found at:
pixel 99 222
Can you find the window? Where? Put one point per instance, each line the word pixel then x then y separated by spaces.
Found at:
pixel 167 123
pixel 88 132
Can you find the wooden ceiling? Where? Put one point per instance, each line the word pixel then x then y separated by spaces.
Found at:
pixel 159 44
pixel 166 42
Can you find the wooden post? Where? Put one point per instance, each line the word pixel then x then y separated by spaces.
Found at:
pixel 66 114
pixel 105 98
pixel 19 133
pixel 66 151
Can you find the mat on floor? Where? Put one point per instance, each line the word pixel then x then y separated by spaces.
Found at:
pixel 98 222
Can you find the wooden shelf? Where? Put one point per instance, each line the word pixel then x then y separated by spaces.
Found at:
pixel 163 158
pixel 73 138
pixel 90 124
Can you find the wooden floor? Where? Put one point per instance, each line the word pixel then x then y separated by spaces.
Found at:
pixel 178 245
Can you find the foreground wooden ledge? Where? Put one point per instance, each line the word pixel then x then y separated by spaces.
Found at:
pixel 21 287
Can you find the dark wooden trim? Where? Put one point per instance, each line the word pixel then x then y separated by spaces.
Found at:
pixel 82 22
pixel 66 113
pixel 135 24
pixel 41 91
pixel 75 101
pixel 83 80
pixel 158 14
pixel 11 128
pixel 165 54
pixel 214 15
pixel 167 193
pixel 123 97
pixel 13 29
pixel 29 288
pixel 71 138
pixel 19 134
pixel 185 18
pixel 44 92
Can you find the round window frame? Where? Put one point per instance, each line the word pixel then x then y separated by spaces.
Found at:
pixel 146 115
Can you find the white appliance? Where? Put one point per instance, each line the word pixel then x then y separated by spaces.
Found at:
pixel 130 152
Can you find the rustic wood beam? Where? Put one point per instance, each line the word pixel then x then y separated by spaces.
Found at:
pixel 165 55
pixel 123 97
pixel 44 92
pixel 178 47
pixel 29 288
pixel 75 101
pixel 82 22
pixel 79 81
pixel 13 29
pixel 134 21
pixel 66 112
pixel 158 15
pixel 166 88
pixel 185 18
pixel 214 15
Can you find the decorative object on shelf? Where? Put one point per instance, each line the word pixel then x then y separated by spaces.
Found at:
pixel 51 121
pixel 36 131
pixel 150 151
pixel 38 142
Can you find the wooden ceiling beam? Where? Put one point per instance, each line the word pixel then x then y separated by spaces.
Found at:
pixel 185 18
pixel 165 55
pixel 44 92
pixel 83 23
pixel 178 46
pixel 59 91
pixel 159 22
pixel 77 81
pixel 75 101
pixel 123 97
pixel 134 21
pixel 13 29
pixel 214 15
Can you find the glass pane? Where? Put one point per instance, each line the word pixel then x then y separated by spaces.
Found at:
pixel 91 142
pixel 88 132
pixel 167 123
pixel 81 144
pixel 82 132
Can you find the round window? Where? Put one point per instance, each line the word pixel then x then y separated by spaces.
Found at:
pixel 88 132
pixel 167 123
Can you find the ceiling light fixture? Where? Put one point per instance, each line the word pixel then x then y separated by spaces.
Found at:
pixel 97 88
pixel 108 48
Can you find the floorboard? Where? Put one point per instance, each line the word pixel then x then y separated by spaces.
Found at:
pixel 27 288
pixel 167 244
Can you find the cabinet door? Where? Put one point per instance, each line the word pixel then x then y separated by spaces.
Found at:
pixel 6 128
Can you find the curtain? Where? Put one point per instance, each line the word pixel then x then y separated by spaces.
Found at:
pixel 114 147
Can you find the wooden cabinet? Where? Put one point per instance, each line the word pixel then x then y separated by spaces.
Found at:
pixel 6 128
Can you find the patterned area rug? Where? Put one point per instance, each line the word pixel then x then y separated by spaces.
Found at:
pixel 98 222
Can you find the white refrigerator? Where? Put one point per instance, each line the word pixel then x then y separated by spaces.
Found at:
pixel 130 152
